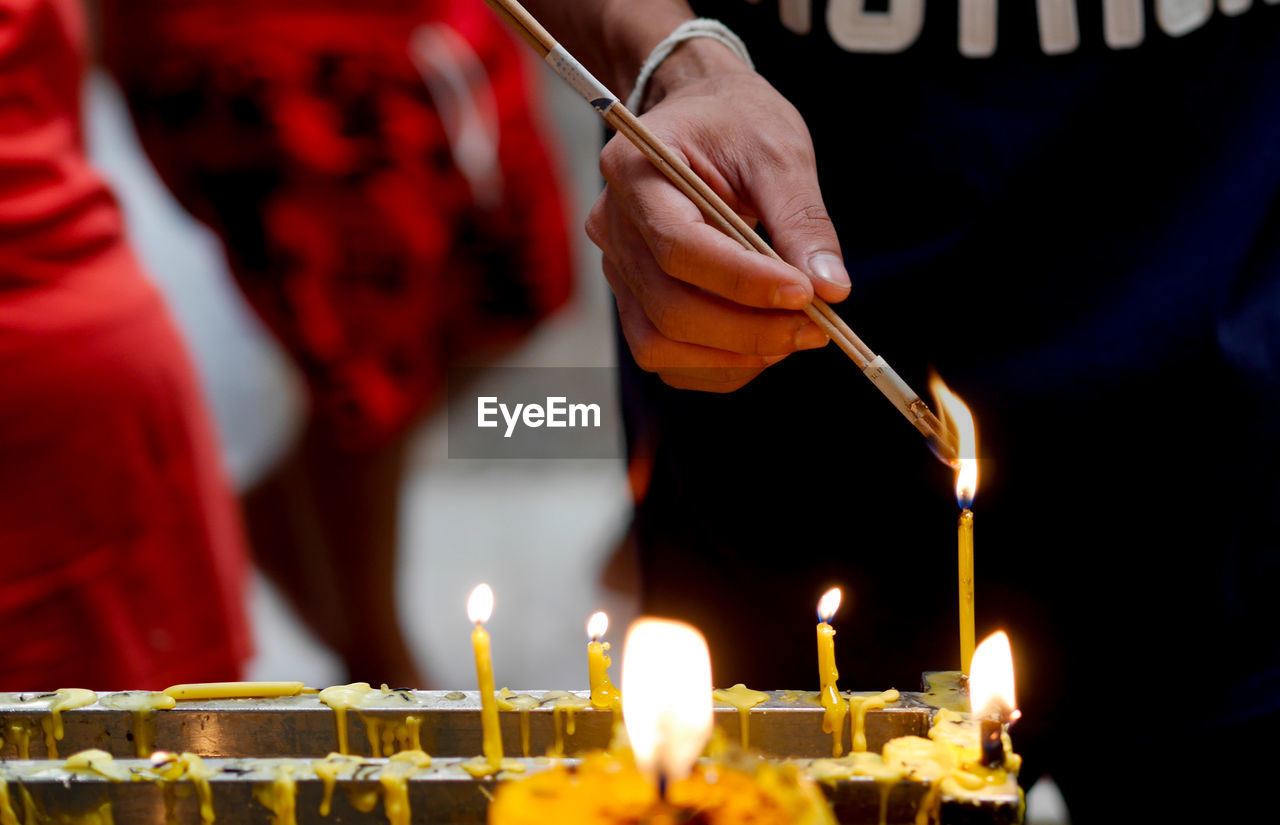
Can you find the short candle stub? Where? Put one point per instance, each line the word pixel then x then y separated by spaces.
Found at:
pixel 992 743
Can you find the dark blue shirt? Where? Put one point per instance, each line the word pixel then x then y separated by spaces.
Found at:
pixel 1086 245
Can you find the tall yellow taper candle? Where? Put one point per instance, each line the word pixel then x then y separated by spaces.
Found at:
pixel 957 419
pixel 966 590
pixel 832 702
pixel 479 609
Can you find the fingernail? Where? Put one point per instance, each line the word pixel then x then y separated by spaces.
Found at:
pixel 831 269
pixel 810 336
pixel 791 296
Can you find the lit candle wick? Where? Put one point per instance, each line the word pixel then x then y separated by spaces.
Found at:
pixel 991 695
pixel 996 718
pixel 603 692
pixel 991 735
pixel 666 682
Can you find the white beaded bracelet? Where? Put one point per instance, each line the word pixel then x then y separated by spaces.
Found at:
pixel 688 30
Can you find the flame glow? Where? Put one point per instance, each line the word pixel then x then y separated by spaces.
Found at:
pixel 480 603
pixel 666 689
pixel 597 625
pixel 958 419
pixel 991 692
pixel 829 604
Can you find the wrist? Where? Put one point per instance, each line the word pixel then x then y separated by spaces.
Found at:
pixel 691 61
pixel 631 31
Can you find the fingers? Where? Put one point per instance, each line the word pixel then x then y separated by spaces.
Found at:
pixel 686 314
pixel 783 190
pixel 803 234
pixel 696 306
pixel 681 365
pixel 684 245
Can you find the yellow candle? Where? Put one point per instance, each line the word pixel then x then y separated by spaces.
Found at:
pixel 827 673
pixel 958 419
pixel 603 692
pixel 832 703
pixel 966 590
pixel 479 609
pixel 232 690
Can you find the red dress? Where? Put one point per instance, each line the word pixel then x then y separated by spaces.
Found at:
pixel 374 168
pixel 121 558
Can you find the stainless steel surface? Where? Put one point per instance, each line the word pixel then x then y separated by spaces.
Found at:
pixel 302 726
pixel 442 794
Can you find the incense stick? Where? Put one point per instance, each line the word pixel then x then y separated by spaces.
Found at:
pixel 720 215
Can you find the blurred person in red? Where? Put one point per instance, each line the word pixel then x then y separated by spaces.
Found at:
pixel 388 207
pixel 123 558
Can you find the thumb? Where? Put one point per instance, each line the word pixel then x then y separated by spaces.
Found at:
pixel 793 213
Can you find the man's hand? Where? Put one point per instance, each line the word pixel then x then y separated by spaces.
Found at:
pixel 696 307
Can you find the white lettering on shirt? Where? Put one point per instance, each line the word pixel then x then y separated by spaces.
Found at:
pixel 1123 24
pixel 1059 31
pixel 796 15
pixel 978 27
pixel 857 30
pixel 1179 17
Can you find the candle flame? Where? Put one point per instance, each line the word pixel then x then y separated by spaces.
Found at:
pixel 957 419
pixel 828 604
pixel 666 689
pixel 991 692
pixel 597 625
pixel 480 604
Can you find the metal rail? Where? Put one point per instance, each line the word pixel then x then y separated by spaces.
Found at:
pixel 302 726
pixel 442 794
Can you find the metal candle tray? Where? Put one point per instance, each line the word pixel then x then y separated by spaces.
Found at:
pixel 247 740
